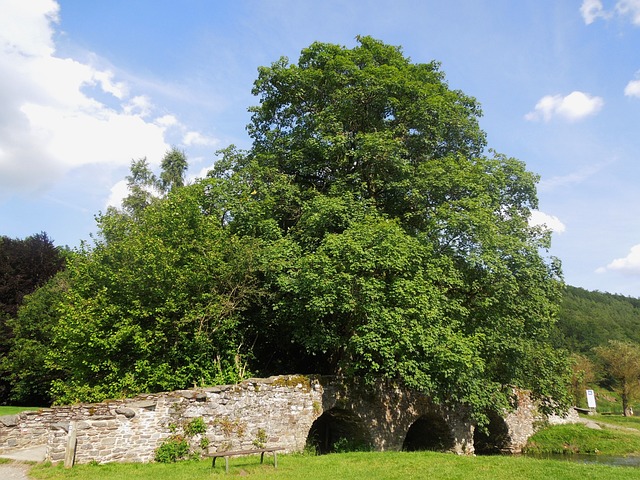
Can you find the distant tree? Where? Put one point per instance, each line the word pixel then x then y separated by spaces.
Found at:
pixel 622 363
pixel 589 319
pixel 174 165
pixel 27 365
pixel 144 186
pixel 583 374
pixel 25 265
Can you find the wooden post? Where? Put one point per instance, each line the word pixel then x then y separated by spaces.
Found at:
pixel 70 453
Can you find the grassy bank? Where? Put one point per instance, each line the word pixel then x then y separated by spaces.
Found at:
pixel 355 466
pixel 14 410
pixel 617 436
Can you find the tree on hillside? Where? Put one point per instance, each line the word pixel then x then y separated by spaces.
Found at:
pixel 395 247
pixel 589 319
pixel 622 363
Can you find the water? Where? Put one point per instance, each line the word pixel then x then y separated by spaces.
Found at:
pixel 581 458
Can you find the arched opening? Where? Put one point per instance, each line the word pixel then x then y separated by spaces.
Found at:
pixel 338 430
pixel 429 432
pixel 495 439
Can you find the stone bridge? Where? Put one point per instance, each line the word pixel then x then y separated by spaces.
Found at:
pixel 294 412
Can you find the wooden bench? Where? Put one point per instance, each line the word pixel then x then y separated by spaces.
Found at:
pixel 230 453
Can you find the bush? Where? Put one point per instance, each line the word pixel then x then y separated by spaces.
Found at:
pixel 172 449
pixel 178 446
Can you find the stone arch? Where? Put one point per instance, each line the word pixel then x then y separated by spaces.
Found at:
pixel 495 439
pixel 429 432
pixel 338 429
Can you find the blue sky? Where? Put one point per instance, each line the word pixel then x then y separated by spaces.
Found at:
pixel 87 86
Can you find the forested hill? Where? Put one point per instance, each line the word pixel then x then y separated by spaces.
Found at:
pixel 588 319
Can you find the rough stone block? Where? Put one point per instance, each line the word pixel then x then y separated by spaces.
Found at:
pixel 10 420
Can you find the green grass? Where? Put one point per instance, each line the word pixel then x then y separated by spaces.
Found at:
pixel 14 410
pixel 570 439
pixel 354 466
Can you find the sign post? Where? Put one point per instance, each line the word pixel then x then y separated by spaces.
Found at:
pixel 591 399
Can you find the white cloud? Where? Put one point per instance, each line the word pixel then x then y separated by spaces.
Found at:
pixel 551 222
pixel 628 265
pixel 25 26
pixel 196 138
pixel 167 121
pixel 591 10
pixel 139 105
pixel 575 106
pixel 49 121
pixel 118 192
pixel 632 89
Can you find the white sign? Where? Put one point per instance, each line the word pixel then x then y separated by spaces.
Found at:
pixel 591 399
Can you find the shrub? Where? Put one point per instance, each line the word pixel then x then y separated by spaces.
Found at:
pixel 172 449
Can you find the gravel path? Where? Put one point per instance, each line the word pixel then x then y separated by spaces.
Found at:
pixel 13 471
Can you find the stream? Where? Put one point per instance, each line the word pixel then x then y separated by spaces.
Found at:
pixel 581 458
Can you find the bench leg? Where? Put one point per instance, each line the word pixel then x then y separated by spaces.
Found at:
pixel 275 459
pixel 226 464
pixel 261 457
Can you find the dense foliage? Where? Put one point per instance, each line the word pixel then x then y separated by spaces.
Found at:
pixel 589 319
pixel 366 232
pixel 396 248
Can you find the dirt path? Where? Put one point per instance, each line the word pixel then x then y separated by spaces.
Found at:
pixel 13 471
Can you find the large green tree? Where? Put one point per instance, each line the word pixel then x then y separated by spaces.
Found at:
pixel 397 247
pixel 366 232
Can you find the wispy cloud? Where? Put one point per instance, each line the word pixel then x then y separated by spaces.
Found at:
pixel 574 178
pixel 629 265
pixel 575 106
pixel 592 10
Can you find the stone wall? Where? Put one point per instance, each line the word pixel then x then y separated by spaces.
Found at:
pixel 281 410
pixel 131 430
pixel 525 420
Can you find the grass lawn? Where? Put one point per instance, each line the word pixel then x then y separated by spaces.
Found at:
pixel 14 410
pixel 617 436
pixel 354 466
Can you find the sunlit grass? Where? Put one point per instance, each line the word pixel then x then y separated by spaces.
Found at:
pixel 354 466
pixel 570 439
pixel 13 410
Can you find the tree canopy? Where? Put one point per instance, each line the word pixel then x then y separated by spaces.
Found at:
pixel 397 245
pixel 367 232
